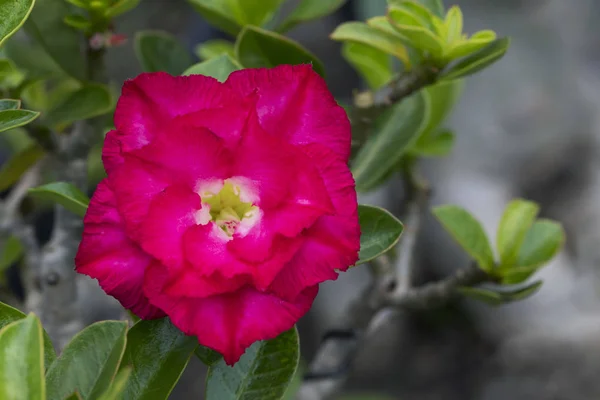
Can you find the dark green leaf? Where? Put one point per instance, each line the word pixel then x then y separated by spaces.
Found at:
pixel 297 379
pixel 78 22
pixel 436 145
pixel 9 104
pixel 374 65
pixel 518 217
pixel 380 231
pixel 90 101
pixel 61 42
pixel 120 7
pixel 307 10
pixel 214 48
pixel 392 134
pixel 22 360
pixel 467 231
pixel 74 396
pixel 65 194
pixel 484 295
pixel 88 364
pixel 207 356
pixel 263 373
pixel 365 396
pixel 500 294
pixel 9 315
pixel 219 67
pixel 478 61
pixel 10 76
pixel 10 119
pixel 16 166
pixel 158 353
pixel 13 14
pixel 256 47
pixel 161 51
pixel 116 391
pixel 542 242
pixel 218 14
pixel 521 293
pixel 32 59
pixel 11 252
pixel 359 32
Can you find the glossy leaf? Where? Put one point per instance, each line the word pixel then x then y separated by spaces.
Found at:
pixel 20 162
pixel 9 104
pixel 392 134
pixel 518 217
pixel 467 231
pixel 10 119
pixel 219 67
pixel 22 360
pixel 256 48
pixel 10 314
pixel 65 194
pixel 62 43
pixel 13 14
pixel 232 15
pixel 359 32
pixel 90 101
pixel 373 65
pixel 542 242
pixel 161 51
pixel 214 48
pixel 263 373
pixel 11 252
pixel 307 10
pixel 435 145
pixel 88 364
pixel 380 231
pixel 418 11
pixel 207 356
pixel 116 391
pixel 158 353
pixel 420 37
pixel 120 7
pixel 478 61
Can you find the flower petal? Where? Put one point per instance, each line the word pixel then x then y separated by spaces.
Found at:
pixel 151 100
pixel 230 323
pixel 106 254
pixel 111 152
pixel 169 216
pixel 295 104
pixel 188 154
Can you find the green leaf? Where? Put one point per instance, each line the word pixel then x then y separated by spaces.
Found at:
pixel 522 293
pixel 219 67
pixel 117 388
pixel 10 76
pixel 161 51
pixel 11 252
pixel 468 233
pixel 10 119
pixel 158 353
pixel 78 22
pixel 207 356
pixel 542 242
pixel 16 166
pixel 518 217
pixel 120 7
pixel 436 145
pixel 465 47
pixel 263 373
pixel 373 65
pixel 454 24
pixel 62 43
pixel 307 10
pixel 218 14
pixel 417 11
pixel 393 133
pixel 359 32
pixel 419 37
pixel 256 47
pixel 434 6
pixel 89 363
pixel 294 386
pixel 500 294
pixel 484 295
pixel 365 396
pixel 89 101
pixel 65 194
pixel 22 360
pixel 9 104
pixel 380 231
pixel 477 61
pixel 443 96
pixel 13 14
pixel 10 314
pixel 74 396
pixel 32 59
pixel 214 48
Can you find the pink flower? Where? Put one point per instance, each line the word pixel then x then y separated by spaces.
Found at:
pixel 225 205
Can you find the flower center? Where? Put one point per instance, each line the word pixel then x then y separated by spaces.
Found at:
pixel 225 207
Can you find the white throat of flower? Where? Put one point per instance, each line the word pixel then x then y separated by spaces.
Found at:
pixel 229 205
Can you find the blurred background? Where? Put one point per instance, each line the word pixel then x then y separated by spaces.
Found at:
pixel 526 127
